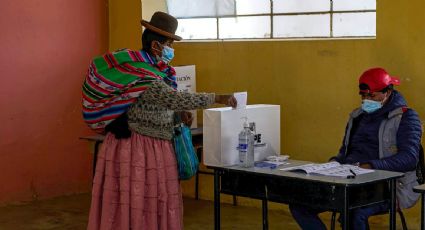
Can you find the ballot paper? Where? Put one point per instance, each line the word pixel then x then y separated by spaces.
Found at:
pixel 241 98
pixel 329 169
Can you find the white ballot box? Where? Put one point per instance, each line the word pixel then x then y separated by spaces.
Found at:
pixel 186 82
pixel 221 127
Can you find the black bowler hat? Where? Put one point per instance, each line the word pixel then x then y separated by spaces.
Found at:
pixel 164 24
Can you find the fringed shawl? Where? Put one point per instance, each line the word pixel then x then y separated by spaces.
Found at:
pixel 115 80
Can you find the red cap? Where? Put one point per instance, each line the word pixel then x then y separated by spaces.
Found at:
pixel 377 79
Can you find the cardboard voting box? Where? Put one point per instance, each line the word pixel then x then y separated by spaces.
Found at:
pixel 186 82
pixel 221 127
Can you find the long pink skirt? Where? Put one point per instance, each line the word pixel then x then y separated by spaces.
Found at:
pixel 136 186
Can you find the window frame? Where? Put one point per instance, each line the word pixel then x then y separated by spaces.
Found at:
pixel 331 36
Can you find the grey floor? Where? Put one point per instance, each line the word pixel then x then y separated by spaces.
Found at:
pixel 70 212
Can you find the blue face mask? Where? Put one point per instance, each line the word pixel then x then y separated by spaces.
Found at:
pixel 167 54
pixel 370 106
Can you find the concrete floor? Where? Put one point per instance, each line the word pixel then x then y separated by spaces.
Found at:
pixel 70 212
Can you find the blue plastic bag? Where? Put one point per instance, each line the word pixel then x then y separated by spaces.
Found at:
pixel 187 161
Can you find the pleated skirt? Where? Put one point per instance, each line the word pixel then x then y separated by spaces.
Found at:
pixel 136 186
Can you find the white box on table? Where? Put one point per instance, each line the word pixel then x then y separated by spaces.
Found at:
pixel 221 127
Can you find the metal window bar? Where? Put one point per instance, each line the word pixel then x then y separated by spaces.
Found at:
pixel 331 18
pixel 271 19
pixel 218 28
pixel 283 14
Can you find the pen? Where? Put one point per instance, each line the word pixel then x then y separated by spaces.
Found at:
pixel 351 176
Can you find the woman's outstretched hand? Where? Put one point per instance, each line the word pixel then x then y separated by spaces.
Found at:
pixel 228 100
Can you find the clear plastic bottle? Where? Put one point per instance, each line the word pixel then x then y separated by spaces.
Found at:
pixel 246 146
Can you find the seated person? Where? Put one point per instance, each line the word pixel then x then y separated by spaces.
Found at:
pixel 382 134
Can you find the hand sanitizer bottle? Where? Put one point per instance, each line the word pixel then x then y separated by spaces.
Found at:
pixel 246 146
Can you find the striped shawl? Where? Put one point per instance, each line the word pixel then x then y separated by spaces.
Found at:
pixel 115 80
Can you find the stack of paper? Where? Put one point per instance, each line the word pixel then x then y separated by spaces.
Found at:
pixel 330 169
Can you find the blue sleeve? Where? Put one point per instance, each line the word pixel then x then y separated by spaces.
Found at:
pixel 408 141
pixel 341 154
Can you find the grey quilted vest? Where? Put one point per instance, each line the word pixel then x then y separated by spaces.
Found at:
pixel 406 197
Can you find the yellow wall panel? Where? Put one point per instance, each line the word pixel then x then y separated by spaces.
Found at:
pixel 124 24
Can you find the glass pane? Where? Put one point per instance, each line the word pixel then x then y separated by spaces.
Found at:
pixel 296 6
pixel 354 4
pixel 245 27
pixel 225 7
pixel 252 7
pixel 354 24
pixel 200 8
pixel 197 28
pixel 301 26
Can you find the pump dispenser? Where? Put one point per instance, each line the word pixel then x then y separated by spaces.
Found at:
pixel 246 146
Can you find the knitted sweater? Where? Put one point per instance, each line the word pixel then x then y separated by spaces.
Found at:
pixel 153 113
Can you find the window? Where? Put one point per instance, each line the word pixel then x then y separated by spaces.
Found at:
pixel 268 19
